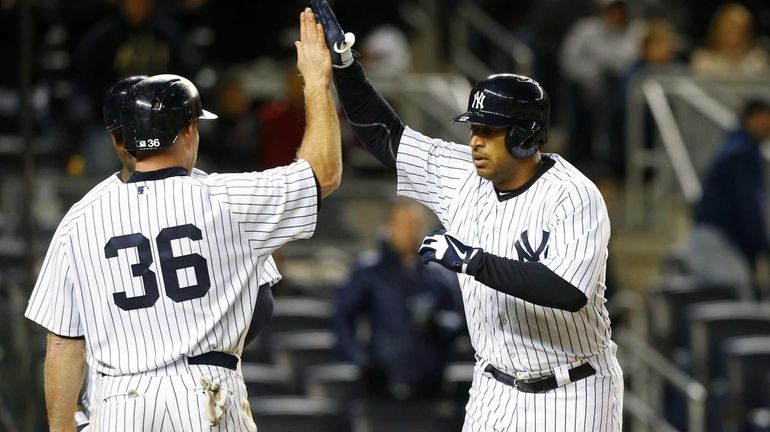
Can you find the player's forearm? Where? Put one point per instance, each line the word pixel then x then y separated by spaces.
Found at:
pixel 321 144
pixel 530 281
pixel 63 377
pixel 373 120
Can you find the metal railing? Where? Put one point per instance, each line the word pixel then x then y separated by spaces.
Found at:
pixel 428 101
pixel 684 144
pixel 650 370
pixel 469 20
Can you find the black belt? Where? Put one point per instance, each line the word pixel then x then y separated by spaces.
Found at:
pixel 215 358
pixel 540 385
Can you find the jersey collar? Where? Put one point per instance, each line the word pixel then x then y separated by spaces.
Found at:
pixel 506 195
pixel 139 176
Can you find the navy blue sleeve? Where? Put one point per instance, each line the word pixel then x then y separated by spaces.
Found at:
pixel 373 120
pixel 530 281
pixel 263 313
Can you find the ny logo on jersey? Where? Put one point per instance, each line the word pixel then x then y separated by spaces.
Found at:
pixel 142 189
pixel 525 250
pixel 478 100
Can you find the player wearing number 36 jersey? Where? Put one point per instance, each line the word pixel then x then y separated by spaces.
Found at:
pixel 157 278
pixel 527 234
pixel 268 275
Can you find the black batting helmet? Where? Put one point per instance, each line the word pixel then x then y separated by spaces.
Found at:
pixel 114 99
pixel 157 108
pixel 515 102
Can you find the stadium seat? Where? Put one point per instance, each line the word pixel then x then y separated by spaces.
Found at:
pixel 668 299
pixel 298 414
pixel 300 313
pixel 712 323
pixel 337 381
pixel 299 349
pixel 267 380
pixel 289 314
pixel 403 416
pixel 747 365
pixel 458 378
pixel 462 350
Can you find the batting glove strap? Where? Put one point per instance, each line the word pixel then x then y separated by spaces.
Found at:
pixel 345 51
pixel 445 249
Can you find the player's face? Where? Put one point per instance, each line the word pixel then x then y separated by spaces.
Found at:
pixel 490 157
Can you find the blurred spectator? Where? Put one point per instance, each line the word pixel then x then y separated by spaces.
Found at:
pixel 385 52
pixel 596 53
pixel 660 54
pixel 282 123
pixel 411 308
pixel 366 15
pixel 730 49
pixel 134 41
pixel 701 12
pixel 730 233
pixel 234 138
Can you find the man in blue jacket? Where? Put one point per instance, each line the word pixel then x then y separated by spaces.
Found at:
pixel 732 208
pixel 413 310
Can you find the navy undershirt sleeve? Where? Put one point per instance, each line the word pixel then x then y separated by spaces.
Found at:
pixel 263 313
pixel 373 120
pixel 530 281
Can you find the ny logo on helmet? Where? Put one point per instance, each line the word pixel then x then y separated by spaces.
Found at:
pixel 478 100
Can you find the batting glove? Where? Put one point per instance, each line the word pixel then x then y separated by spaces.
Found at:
pixel 339 42
pixel 444 248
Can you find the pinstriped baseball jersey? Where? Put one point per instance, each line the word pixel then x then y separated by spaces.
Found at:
pixel 268 275
pixel 154 270
pixel 558 219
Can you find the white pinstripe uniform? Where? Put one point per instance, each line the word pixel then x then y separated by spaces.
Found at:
pixel 560 220
pixel 155 272
pixel 268 275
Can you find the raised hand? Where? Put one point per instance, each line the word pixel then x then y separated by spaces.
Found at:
pixel 444 248
pixel 313 59
pixel 338 42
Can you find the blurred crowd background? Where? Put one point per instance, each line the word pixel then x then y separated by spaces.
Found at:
pixel 665 104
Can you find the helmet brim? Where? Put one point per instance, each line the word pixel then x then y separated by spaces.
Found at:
pixel 494 120
pixel 485 118
pixel 208 115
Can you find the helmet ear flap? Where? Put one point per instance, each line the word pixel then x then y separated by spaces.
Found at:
pixel 522 142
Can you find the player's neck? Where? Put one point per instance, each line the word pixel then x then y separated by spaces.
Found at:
pixel 160 161
pixel 175 156
pixel 524 170
pixel 125 173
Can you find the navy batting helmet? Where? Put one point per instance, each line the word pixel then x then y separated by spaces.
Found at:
pixel 513 101
pixel 157 108
pixel 114 99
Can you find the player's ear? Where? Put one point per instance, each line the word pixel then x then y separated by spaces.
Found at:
pixel 188 134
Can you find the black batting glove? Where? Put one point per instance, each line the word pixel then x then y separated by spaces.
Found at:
pixel 444 248
pixel 339 42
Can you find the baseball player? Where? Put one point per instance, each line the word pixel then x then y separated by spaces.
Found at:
pixel 268 277
pixel 527 234
pixel 156 278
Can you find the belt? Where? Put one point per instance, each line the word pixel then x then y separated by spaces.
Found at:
pixel 544 384
pixel 215 358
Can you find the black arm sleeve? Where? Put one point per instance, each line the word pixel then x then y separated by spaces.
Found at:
pixel 263 312
pixel 371 117
pixel 530 281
